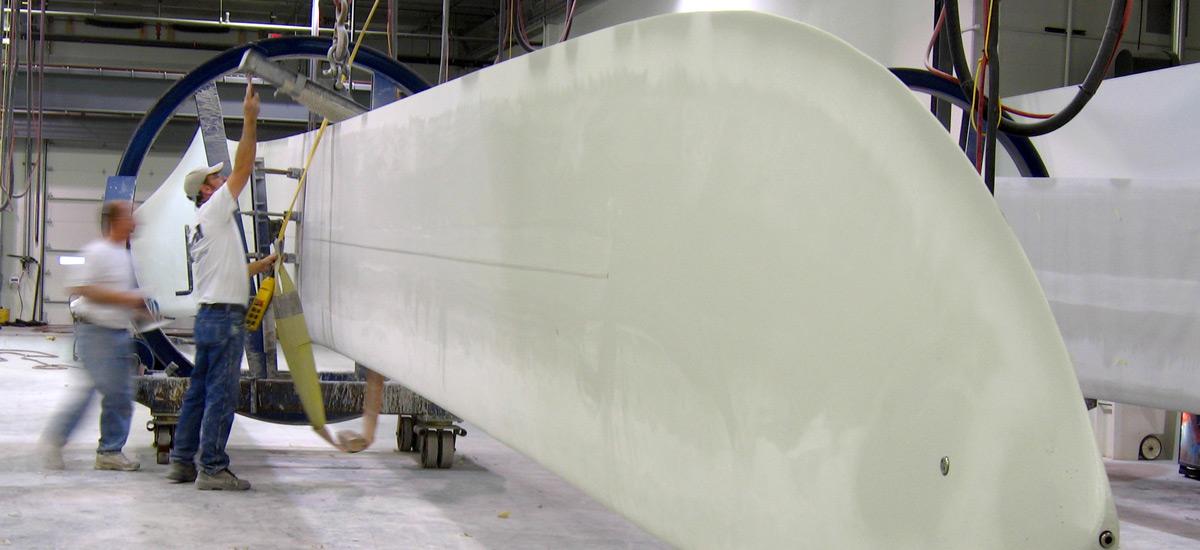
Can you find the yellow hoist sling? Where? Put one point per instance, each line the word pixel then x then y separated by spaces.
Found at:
pixel 290 327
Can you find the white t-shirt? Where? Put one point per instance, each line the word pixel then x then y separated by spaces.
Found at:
pixel 105 264
pixel 220 267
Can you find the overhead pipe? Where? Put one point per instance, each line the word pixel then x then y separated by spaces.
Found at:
pixel 317 98
pixel 178 117
pixel 150 73
pixel 243 25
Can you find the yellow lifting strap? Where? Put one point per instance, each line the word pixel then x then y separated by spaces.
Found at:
pixel 262 299
pixel 297 348
pixel 280 291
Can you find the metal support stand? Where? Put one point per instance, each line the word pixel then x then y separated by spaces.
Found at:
pixel 271 400
pixel 423 426
pixel 261 353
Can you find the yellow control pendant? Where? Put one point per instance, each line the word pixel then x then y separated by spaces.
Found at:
pixel 258 307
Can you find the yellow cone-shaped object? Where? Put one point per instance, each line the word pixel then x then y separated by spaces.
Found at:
pixel 297 348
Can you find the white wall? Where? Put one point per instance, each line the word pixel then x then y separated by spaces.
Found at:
pixel 1032 58
pixel 75 181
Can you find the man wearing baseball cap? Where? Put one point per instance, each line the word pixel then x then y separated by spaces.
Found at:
pixel 222 289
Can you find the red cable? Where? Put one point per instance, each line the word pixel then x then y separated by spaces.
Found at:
pixel 980 96
pixel 1116 47
pixel 1026 114
pixel 979 130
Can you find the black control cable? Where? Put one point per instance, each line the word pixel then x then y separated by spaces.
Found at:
pixel 1118 18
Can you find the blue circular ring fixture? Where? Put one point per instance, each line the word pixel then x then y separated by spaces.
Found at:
pixel 227 61
pixel 158 116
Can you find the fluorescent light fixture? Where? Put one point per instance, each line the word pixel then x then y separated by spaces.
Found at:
pixel 715 5
pixel 70 260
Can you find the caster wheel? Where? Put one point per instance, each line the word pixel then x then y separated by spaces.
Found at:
pixel 437 449
pixel 164 437
pixel 446 449
pixel 406 435
pixel 162 457
pixel 429 448
pixel 1150 449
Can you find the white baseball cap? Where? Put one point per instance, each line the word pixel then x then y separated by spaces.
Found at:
pixel 194 179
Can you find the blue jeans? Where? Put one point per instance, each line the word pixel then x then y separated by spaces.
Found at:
pixel 207 413
pixel 108 358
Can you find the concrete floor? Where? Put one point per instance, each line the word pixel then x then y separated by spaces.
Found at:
pixel 1159 509
pixel 305 494
pixel 308 496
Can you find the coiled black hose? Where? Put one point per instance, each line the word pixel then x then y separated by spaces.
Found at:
pixel 1104 57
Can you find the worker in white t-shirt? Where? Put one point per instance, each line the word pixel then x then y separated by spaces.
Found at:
pixel 108 301
pixel 222 290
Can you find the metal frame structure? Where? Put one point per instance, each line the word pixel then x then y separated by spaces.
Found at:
pixel 424 427
pixel 419 429
pixel 121 185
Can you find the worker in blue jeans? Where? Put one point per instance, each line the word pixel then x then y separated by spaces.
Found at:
pixel 107 305
pixel 208 406
pixel 222 289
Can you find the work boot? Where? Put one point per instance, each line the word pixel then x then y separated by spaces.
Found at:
pixel 115 461
pixel 181 473
pixel 223 480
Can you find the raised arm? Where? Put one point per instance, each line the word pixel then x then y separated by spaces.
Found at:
pixel 243 163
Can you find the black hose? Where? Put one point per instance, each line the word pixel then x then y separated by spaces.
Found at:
pixel 964 128
pixel 953 29
pixel 39 305
pixel 1108 45
pixel 993 107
